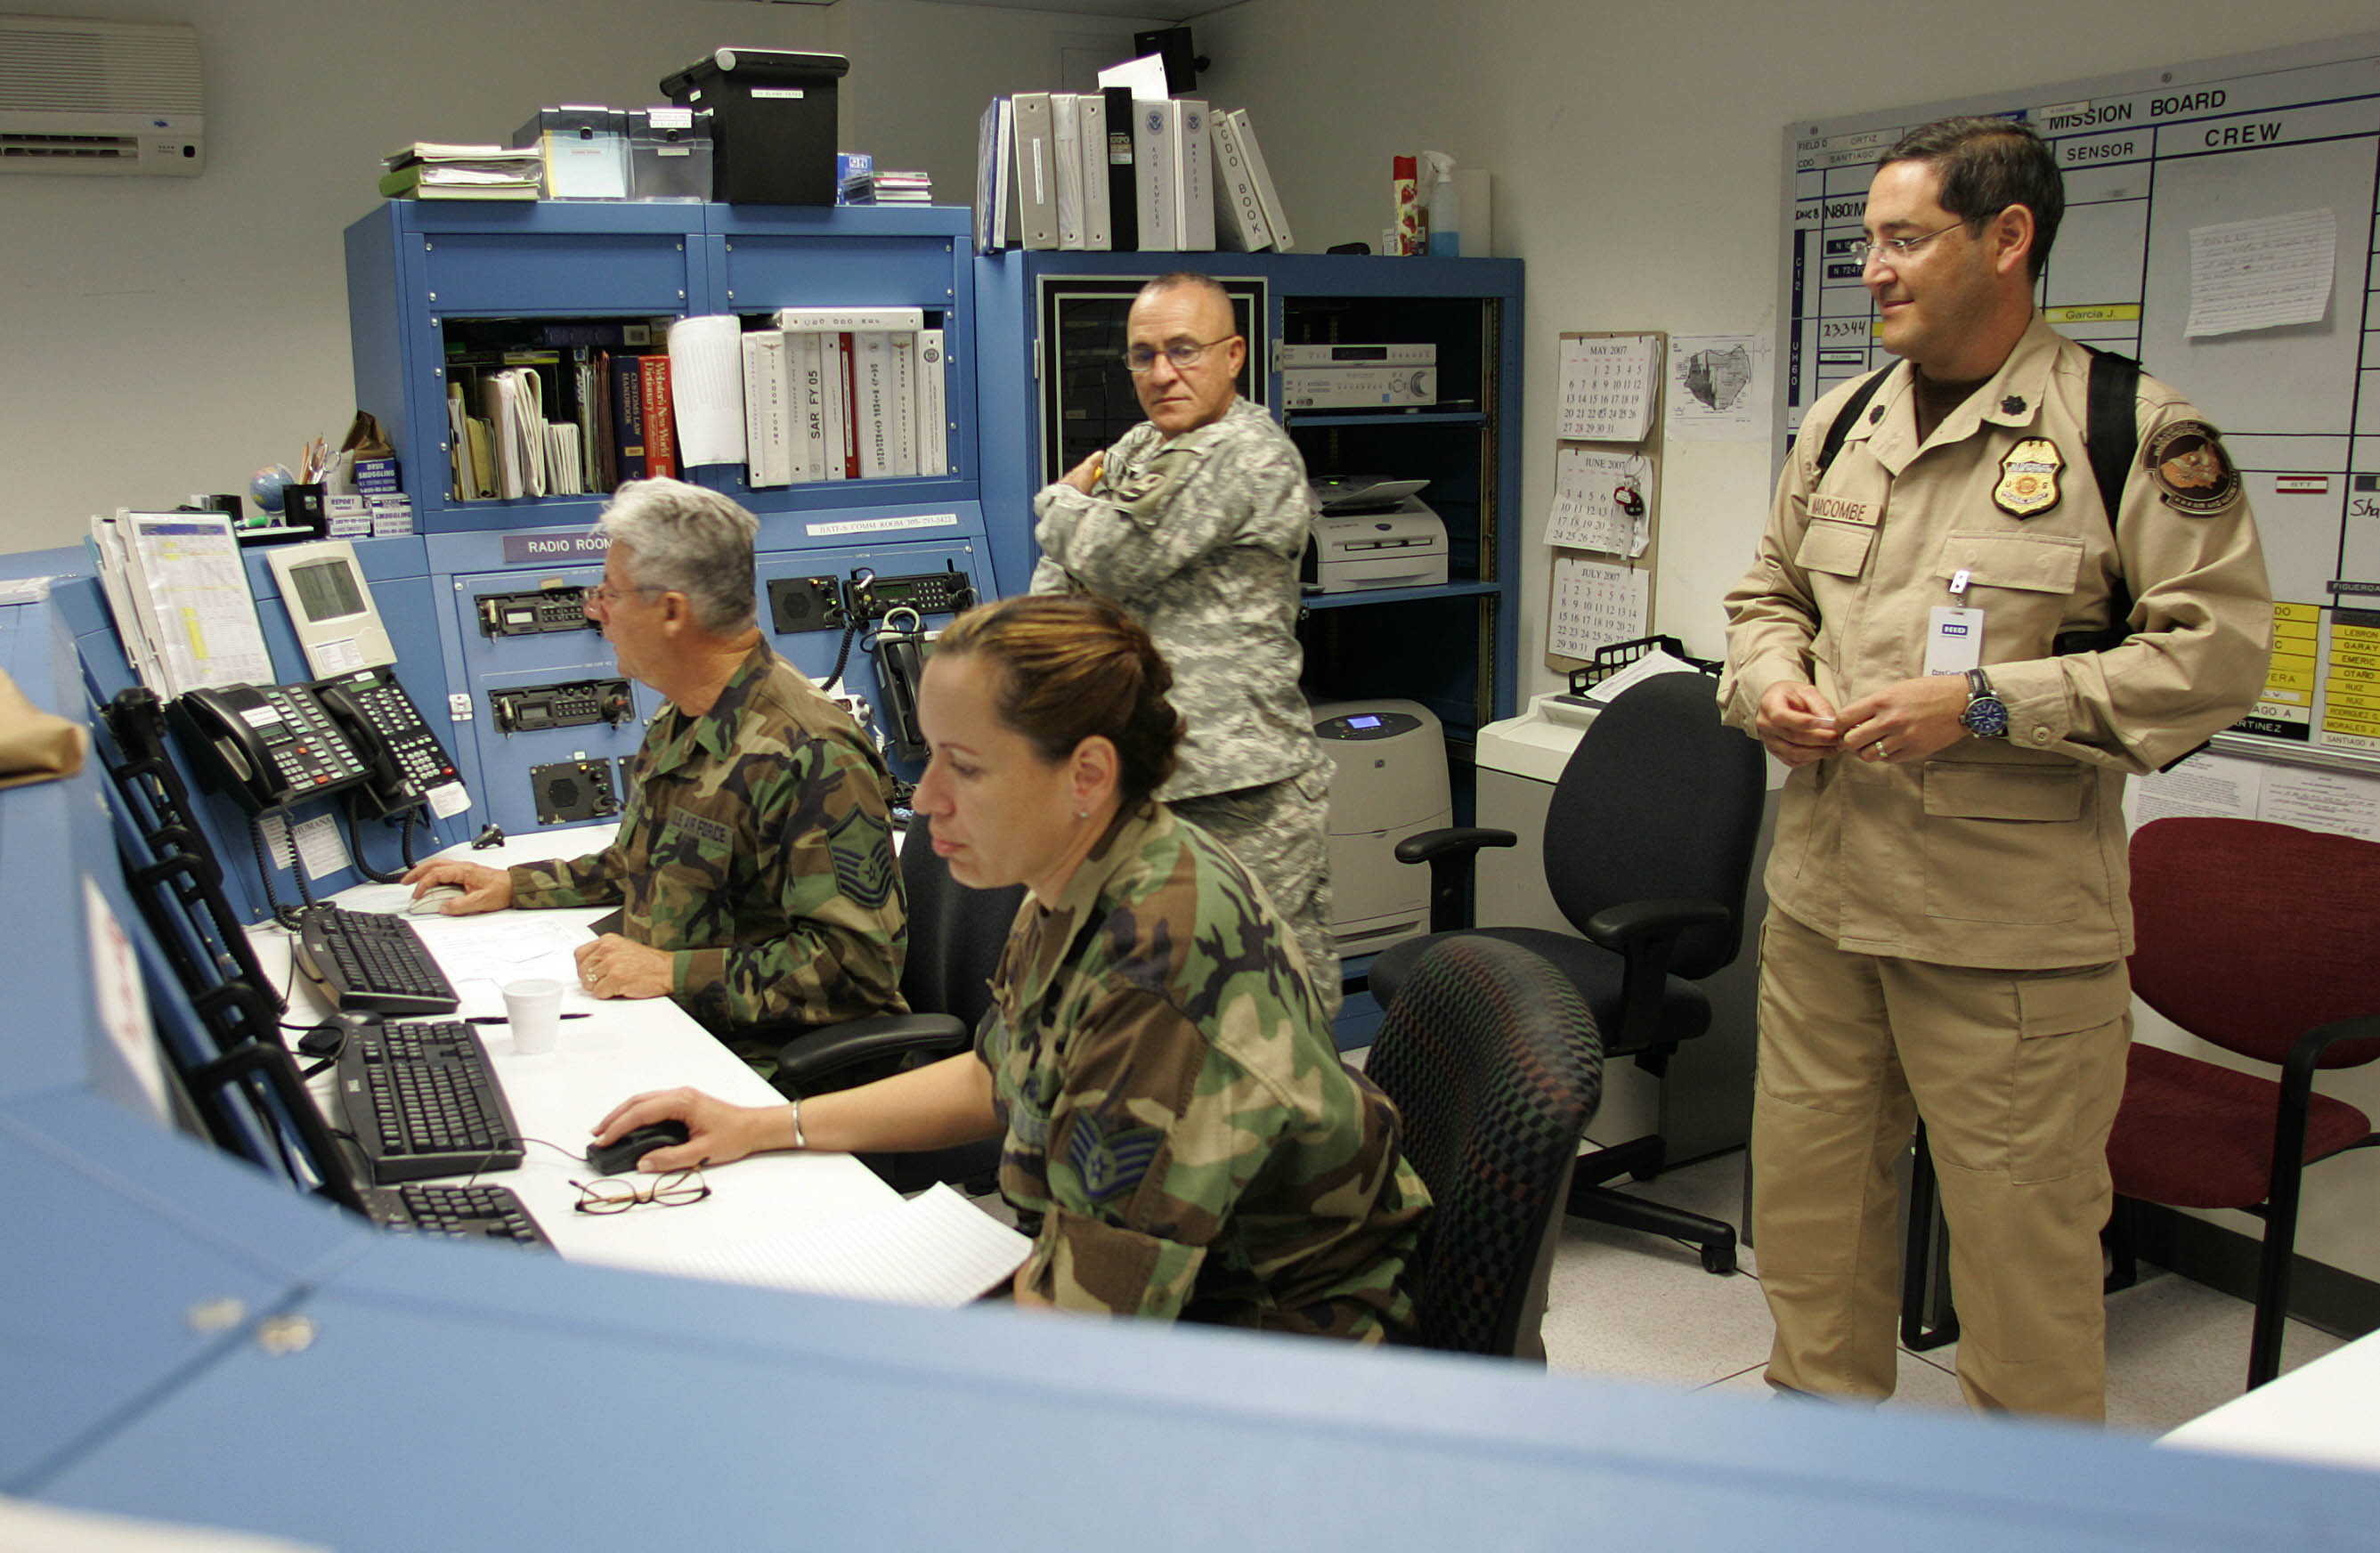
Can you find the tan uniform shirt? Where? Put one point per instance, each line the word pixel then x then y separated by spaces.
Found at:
pixel 1996 852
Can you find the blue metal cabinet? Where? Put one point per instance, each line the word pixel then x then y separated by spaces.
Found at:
pixel 416 267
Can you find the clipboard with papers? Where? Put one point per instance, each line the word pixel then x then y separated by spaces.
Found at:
pixel 179 592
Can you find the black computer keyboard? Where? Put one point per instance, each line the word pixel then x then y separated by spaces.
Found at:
pixel 372 961
pixel 473 1212
pixel 422 1101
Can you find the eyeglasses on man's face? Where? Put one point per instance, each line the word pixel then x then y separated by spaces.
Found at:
pixel 1184 353
pixel 605 595
pixel 1893 250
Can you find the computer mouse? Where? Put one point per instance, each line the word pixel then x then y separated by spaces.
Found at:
pixel 433 901
pixel 621 1153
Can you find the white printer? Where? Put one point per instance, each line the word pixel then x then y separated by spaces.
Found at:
pixel 1373 532
pixel 1389 782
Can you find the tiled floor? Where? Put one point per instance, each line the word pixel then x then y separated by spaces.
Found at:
pixel 1626 1303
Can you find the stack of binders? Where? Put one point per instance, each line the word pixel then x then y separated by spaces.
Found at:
pixel 1107 171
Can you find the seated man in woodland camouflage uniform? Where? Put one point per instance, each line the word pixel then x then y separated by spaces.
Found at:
pixel 754 863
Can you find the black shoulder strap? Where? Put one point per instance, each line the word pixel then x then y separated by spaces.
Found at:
pixel 1845 418
pixel 2112 429
pixel 2111 435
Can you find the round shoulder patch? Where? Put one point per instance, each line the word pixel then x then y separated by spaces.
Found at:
pixel 2191 471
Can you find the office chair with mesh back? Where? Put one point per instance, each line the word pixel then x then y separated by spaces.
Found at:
pixel 956 937
pixel 2257 938
pixel 1493 1062
pixel 1648 850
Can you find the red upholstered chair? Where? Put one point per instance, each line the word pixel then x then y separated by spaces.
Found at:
pixel 2264 940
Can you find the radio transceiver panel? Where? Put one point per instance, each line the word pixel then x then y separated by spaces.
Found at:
pixel 943 592
pixel 533 613
pixel 571 705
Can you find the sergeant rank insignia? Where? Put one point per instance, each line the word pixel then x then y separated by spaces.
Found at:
pixel 2029 479
pixel 2190 470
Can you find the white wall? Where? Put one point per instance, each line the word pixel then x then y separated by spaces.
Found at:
pixel 160 336
pixel 1635 151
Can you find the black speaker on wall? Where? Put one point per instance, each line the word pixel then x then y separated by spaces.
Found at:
pixel 1182 61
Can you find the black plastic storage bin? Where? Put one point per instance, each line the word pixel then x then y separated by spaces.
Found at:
pixel 772 122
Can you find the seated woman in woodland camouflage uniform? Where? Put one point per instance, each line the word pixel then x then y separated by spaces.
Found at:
pixel 1180 1137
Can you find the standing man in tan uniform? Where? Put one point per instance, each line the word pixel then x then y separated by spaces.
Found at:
pixel 1962 653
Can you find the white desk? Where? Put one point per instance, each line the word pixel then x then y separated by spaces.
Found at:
pixel 2327 1411
pixel 623 1047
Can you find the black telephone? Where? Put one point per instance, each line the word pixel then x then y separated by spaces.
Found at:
pixel 275 743
pixel 279 743
pixel 900 647
pixel 406 757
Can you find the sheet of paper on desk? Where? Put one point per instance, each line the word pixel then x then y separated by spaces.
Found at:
pixel 502 946
pixel 936 1249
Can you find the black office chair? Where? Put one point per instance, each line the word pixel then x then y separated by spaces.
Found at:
pixel 1649 847
pixel 956 937
pixel 1493 1060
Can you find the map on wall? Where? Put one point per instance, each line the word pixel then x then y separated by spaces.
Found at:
pixel 2220 227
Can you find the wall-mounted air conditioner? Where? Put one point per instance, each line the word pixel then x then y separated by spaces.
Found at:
pixel 80 96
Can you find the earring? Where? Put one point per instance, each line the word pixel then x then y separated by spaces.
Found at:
pixel 1082 814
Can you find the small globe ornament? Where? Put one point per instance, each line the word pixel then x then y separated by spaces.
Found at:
pixel 264 487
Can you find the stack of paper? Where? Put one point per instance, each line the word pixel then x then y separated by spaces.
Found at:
pixel 426 170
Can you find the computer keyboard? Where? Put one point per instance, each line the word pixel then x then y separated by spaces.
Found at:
pixel 422 1101
pixel 372 961
pixel 473 1212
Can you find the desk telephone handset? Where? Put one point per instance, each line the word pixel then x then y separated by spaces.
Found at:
pixel 280 742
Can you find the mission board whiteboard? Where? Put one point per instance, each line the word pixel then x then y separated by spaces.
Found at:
pixel 2253 164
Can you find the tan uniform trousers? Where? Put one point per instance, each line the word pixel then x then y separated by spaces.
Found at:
pixel 2017 1074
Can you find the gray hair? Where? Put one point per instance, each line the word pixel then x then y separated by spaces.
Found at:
pixel 689 540
pixel 1178 280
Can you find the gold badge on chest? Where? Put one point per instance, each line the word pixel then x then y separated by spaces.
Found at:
pixel 2029 479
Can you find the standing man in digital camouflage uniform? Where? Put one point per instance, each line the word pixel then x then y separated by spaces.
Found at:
pixel 754 863
pixel 1196 523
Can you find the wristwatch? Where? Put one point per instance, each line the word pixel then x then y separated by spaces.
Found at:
pixel 1986 715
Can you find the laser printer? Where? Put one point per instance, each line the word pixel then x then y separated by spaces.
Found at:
pixel 1388 781
pixel 1370 532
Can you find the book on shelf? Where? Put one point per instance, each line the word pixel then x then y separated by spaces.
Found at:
pixel 991 175
pixel 1276 220
pixel 872 401
pixel 1067 154
pixel 768 419
pixel 932 417
pixel 1091 146
pixel 802 366
pixel 1194 188
pixel 1240 224
pixel 840 320
pixel 1155 166
pixel 847 370
pixel 628 416
pixel 1037 172
pixel 661 423
pixel 901 407
pixel 1124 182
